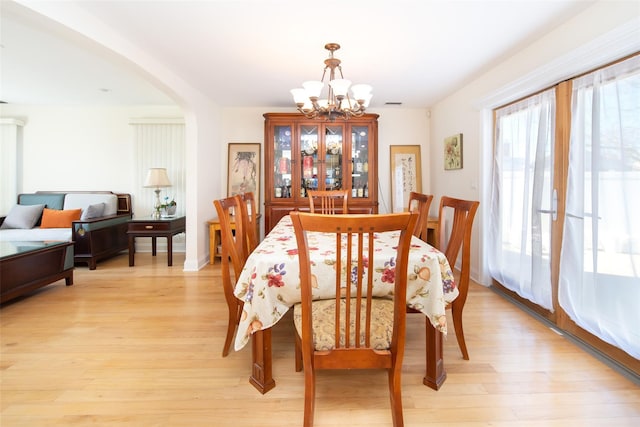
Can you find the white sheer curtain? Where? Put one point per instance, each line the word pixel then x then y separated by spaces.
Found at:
pixel 521 202
pixel 160 145
pixel 599 284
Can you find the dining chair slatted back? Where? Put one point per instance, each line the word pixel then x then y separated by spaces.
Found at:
pixel 462 213
pixel 354 329
pixel 250 214
pixel 328 202
pixel 420 203
pixel 234 246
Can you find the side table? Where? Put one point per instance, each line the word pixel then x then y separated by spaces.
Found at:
pixel 433 234
pixel 154 228
pixel 215 239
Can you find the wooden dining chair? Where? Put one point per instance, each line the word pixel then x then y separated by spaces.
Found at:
pixel 353 330
pixel 234 247
pixel 249 214
pixel 420 203
pixel 328 201
pixel 463 213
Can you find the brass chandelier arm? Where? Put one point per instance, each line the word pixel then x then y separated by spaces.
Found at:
pixel 331 112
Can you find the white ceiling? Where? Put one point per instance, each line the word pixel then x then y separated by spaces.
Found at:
pixel 251 53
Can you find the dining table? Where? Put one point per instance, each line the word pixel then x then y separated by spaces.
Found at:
pixel 269 285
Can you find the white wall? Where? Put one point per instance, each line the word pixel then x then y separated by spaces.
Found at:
pixel 401 126
pixel 243 125
pixel 79 148
pixel 10 155
pixel 604 32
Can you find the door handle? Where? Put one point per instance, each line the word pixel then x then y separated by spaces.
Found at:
pixel 554 206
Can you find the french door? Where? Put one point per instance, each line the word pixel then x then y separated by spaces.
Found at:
pixel 522 200
pixel 565 198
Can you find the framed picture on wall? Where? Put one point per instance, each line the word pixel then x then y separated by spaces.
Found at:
pixel 406 175
pixel 453 152
pixel 243 170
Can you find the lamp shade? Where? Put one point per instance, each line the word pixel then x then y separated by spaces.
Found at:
pixel 313 88
pixel 340 86
pixel 361 91
pixel 157 177
pixel 299 96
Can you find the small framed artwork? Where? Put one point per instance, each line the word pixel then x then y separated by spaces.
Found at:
pixel 406 175
pixel 243 170
pixel 453 152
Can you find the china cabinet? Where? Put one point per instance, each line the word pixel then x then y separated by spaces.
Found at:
pixel 304 154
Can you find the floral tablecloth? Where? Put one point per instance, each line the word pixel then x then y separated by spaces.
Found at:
pixel 269 283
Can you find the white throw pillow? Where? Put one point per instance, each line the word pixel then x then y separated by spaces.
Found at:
pixel 23 216
pixel 82 200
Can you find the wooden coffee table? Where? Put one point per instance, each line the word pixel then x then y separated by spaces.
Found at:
pixel 25 266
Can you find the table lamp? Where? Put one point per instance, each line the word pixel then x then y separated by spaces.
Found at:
pixel 157 177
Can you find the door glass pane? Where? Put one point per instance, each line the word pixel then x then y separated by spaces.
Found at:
pixel 522 198
pixel 360 159
pixel 309 165
pixel 599 284
pixel 282 161
pixel 333 160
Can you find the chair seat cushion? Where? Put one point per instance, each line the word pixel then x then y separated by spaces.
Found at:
pixel 323 314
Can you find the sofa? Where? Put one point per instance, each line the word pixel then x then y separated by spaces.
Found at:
pixel 95 221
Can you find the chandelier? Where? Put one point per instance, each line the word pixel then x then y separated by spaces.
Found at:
pixel 338 103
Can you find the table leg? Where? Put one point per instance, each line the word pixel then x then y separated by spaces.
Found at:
pixel 212 244
pixel 153 246
pixel 132 246
pixel 68 280
pixel 435 373
pixel 169 251
pixel 261 376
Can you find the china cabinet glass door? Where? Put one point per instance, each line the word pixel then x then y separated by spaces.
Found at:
pixel 321 153
pixel 282 161
pixel 308 154
pixel 309 140
pixel 333 144
pixel 360 162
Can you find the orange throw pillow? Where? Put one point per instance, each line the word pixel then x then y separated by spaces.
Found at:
pixel 54 218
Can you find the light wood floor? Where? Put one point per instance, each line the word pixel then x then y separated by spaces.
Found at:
pixel 141 347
